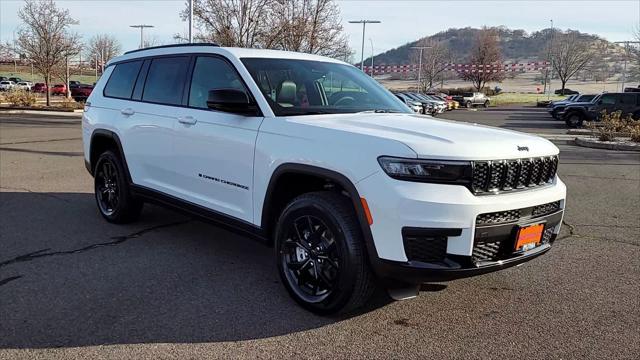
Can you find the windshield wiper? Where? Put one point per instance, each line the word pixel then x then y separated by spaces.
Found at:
pixel 379 111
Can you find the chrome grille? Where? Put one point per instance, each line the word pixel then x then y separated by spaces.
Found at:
pixel 507 175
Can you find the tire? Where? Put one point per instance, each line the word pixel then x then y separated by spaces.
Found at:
pixel 468 104
pixel 320 230
pixel 574 120
pixel 113 196
pixel 486 104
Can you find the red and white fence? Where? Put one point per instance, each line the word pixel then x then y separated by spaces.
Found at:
pixel 507 67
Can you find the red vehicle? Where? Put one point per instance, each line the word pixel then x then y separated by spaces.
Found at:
pixel 39 88
pixel 81 92
pixel 59 89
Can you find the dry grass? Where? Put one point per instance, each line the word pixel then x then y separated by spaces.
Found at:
pixel 615 125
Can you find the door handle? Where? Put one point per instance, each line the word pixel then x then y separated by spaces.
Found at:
pixel 187 120
pixel 127 111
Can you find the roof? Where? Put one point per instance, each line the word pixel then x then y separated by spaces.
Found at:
pixel 215 49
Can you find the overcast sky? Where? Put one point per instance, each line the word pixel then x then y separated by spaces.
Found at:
pixel 402 21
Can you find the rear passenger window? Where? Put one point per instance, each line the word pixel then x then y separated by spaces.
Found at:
pixel 608 99
pixel 211 73
pixel 165 80
pixel 628 99
pixel 123 77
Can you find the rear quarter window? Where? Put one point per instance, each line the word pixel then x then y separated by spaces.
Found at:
pixel 122 79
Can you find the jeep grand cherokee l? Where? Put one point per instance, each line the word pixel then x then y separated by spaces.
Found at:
pixel 314 157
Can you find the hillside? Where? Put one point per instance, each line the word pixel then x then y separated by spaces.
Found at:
pixel 517 45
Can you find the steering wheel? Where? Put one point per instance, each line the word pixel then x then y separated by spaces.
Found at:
pixel 344 99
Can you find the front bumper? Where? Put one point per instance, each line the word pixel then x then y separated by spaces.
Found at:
pixel 453 209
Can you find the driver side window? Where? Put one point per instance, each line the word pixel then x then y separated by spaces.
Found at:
pixel 211 73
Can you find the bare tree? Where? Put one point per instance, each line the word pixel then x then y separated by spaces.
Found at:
pixel 44 37
pixel 434 62
pixel 102 48
pixel 485 54
pixel 311 26
pixel 569 55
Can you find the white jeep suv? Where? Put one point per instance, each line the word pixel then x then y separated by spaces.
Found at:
pixel 317 159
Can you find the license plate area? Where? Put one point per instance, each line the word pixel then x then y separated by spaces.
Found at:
pixel 528 237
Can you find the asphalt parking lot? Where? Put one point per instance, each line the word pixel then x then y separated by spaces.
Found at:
pixel 74 286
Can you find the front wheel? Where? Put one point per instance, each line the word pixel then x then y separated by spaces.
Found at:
pixel 486 104
pixel 321 254
pixel 468 104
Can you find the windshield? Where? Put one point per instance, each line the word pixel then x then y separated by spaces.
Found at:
pixel 303 87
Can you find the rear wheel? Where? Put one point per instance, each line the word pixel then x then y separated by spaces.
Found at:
pixel 468 104
pixel 113 196
pixel 320 254
pixel 574 120
pixel 486 104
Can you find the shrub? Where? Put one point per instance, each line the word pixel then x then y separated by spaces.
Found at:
pixel 614 124
pixel 69 103
pixel 20 98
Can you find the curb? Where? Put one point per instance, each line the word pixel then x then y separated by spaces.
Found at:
pixel 74 113
pixel 585 142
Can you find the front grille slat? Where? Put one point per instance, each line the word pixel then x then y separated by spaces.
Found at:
pixel 508 175
pixel 507 216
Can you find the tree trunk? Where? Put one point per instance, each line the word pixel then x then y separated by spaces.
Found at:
pixel 564 82
pixel 47 81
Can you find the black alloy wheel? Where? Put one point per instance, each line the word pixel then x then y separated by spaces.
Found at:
pixel 311 258
pixel 113 196
pixel 107 191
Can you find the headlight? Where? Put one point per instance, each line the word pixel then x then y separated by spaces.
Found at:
pixel 431 171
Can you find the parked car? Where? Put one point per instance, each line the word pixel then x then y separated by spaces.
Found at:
pixel 431 106
pixel 15 79
pixel 566 91
pixel 414 105
pixel 428 107
pixel 632 89
pixel 352 189
pixel 7 85
pixel 440 104
pixel 3 78
pixel 451 104
pixel 39 88
pixel 628 103
pixel 74 84
pixel 473 99
pixel 59 89
pixel 81 92
pixel 557 108
pixel 24 85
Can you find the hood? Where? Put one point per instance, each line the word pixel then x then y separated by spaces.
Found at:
pixel 432 138
pixel 581 104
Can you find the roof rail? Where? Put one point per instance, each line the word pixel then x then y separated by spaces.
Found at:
pixel 170 46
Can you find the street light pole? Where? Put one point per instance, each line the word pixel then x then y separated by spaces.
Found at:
pixel 371 41
pixel 421 48
pixel 550 71
pixel 190 21
pixel 364 25
pixel 141 27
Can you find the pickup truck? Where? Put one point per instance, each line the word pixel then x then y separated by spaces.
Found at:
pixel 472 99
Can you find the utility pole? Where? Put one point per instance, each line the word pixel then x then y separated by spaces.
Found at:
pixel 190 21
pixel 141 27
pixel 421 48
pixel 102 60
pixel 626 56
pixel 550 62
pixel 364 25
pixel 96 67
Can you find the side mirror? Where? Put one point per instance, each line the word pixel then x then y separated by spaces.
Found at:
pixel 232 101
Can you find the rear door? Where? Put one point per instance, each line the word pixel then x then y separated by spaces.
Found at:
pixel 214 150
pixel 627 103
